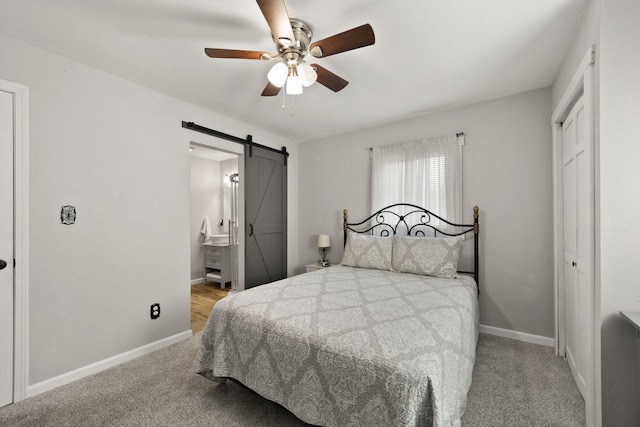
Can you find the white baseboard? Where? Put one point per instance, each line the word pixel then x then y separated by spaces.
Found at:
pixel 197 281
pixel 515 335
pixel 50 384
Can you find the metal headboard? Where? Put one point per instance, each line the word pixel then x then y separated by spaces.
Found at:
pixel 386 222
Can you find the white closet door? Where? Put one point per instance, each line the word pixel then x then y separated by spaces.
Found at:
pixel 6 248
pixel 578 242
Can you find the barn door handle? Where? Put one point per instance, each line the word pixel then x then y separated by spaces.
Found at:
pixel 574 263
pixel 250 229
pixel 3 264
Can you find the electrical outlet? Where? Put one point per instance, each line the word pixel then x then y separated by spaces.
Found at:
pixel 155 311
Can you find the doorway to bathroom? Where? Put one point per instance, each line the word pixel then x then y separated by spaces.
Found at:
pixel 262 208
pixel 215 211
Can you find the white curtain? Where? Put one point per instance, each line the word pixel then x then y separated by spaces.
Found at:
pixel 426 173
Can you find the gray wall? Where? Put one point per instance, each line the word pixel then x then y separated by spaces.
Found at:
pixel 206 201
pixel 507 172
pixel 586 35
pixel 612 26
pixel 116 151
pixel 619 207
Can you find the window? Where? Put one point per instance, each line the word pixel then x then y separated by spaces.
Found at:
pixel 426 173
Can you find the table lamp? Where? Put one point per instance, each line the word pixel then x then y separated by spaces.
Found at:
pixel 323 244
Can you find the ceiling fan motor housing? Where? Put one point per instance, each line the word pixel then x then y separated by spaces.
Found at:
pixel 295 52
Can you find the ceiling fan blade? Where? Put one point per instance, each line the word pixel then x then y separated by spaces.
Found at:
pixel 275 12
pixel 351 39
pixel 328 79
pixel 238 54
pixel 270 90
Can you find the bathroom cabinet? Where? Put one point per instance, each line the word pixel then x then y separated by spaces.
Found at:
pixel 217 264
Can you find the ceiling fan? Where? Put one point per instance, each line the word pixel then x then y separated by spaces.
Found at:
pixel 293 42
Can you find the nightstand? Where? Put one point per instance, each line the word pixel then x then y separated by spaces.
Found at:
pixel 313 267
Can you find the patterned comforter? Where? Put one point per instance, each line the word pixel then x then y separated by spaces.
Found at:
pixel 346 346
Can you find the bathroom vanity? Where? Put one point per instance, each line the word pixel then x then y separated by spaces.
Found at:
pixel 217 263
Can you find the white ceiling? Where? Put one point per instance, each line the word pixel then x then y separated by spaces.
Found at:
pixel 429 55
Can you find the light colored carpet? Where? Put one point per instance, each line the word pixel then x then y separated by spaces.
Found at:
pixel 521 384
pixel 514 384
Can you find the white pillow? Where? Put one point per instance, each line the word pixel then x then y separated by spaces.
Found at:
pixel 428 256
pixel 367 251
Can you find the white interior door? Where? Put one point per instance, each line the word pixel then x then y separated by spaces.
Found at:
pixel 578 243
pixel 6 248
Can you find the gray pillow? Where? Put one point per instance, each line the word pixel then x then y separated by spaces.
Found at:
pixel 367 251
pixel 428 256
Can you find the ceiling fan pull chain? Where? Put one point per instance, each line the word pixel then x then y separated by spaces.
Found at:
pixel 293 113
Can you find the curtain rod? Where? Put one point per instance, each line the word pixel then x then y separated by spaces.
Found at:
pixel 458 135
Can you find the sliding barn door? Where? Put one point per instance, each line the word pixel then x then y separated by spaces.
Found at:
pixel 578 213
pixel 266 216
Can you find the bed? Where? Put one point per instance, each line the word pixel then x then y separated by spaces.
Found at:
pixel 383 339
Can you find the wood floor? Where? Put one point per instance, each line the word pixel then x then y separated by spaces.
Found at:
pixel 203 298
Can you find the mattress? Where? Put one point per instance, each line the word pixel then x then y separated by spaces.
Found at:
pixel 347 346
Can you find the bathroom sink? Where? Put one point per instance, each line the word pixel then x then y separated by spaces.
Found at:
pixel 219 239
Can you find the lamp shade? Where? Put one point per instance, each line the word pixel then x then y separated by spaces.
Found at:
pixel 294 85
pixel 278 74
pixel 307 73
pixel 323 241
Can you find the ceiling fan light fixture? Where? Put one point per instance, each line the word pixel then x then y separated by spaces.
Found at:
pixel 307 73
pixel 294 85
pixel 293 42
pixel 278 74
